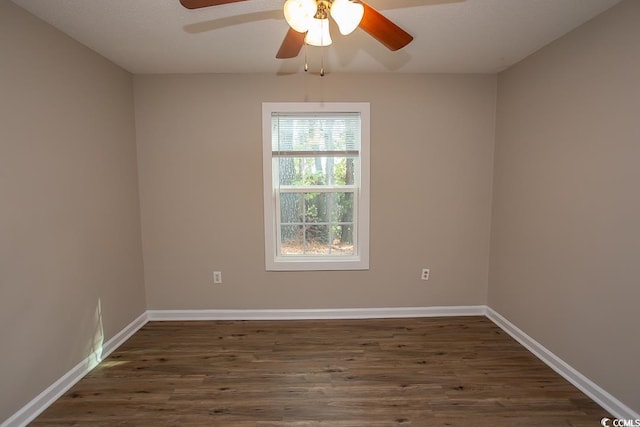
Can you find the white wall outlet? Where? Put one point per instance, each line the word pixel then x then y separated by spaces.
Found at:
pixel 425 274
pixel 217 277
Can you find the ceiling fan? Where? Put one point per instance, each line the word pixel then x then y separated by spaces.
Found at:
pixel 308 22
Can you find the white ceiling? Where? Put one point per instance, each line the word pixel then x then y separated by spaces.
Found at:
pixel 450 36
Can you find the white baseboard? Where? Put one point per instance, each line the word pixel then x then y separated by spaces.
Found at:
pixel 309 314
pixel 584 384
pixel 41 402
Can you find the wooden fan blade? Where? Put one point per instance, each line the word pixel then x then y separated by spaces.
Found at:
pixel 197 4
pixel 383 30
pixel 291 45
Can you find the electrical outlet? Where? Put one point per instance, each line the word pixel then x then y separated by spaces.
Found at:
pixel 217 277
pixel 425 274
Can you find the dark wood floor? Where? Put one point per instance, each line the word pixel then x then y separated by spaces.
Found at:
pixel 456 371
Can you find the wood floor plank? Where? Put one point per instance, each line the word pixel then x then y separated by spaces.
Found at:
pixel 456 371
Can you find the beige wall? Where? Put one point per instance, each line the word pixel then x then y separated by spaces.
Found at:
pixel 69 216
pixel 199 159
pixel 565 243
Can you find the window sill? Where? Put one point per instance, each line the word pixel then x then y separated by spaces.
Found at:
pixel 317 264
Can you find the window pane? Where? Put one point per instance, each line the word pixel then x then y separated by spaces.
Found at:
pixel 316 207
pixel 289 171
pixel 292 240
pixel 291 207
pixel 327 207
pixel 344 172
pixel 342 207
pixel 342 240
pixel 308 171
pixel 317 239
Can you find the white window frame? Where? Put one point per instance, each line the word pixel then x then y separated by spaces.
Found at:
pixel 359 261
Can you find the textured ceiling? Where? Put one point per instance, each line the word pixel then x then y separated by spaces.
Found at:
pixel 450 36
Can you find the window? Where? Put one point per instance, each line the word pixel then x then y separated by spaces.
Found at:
pixel 316 186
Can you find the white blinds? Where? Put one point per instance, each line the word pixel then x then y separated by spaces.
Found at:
pixel 326 134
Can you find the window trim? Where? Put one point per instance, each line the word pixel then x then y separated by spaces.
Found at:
pixel 360 261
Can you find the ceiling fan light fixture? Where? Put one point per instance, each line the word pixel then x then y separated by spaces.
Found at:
pixel 318 34
pixel 299 14
pixel 347 15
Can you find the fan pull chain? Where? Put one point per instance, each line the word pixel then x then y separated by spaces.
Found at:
pixel 322 50
pixel 306 63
